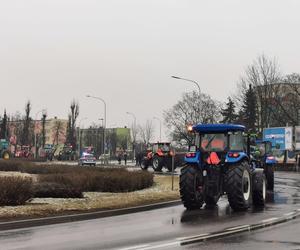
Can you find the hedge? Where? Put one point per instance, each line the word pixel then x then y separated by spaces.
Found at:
pixel 15 190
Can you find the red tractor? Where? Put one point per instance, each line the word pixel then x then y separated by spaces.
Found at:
pixel 158 155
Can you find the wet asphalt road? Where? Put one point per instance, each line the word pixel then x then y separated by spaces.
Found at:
pixel 279 237
pixel 158 229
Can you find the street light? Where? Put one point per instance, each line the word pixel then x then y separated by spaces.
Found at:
pixel 184 79
pixel 156 118
pixel 133 132
pixel 35 133
pixel 79 135
pixel 100 99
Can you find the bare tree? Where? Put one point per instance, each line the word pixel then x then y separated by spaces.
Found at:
pixel 27 134
pixel 291 100
pixel 58 130
pixel 193 108
pixel 74 113
pixel 264 75
pixel 146 132
pixel 3 127
pixel 44 116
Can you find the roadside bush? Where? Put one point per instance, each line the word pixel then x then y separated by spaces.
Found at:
pixel 102 181
pixel 15 190
pixel 75 179
pixel 55 190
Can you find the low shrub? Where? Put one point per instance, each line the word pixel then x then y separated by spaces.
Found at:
pixel 102 181
pixel 87 179
pixel 15 190
pixel 55 190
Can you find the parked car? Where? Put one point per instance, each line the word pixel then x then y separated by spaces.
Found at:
pixel 87 159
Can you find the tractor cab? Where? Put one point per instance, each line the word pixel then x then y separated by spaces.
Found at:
pixel 216 144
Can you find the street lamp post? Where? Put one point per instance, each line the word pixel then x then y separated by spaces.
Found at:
pixel 156 118
pixel 100 99
pixel 35 133
pixel 189 80
pixel 102 119
pixel 133 132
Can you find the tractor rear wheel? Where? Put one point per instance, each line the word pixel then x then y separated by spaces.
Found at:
pixel 238 186
pixel 270 177
pixel 191 187
pixel 259 189
pixel 157 163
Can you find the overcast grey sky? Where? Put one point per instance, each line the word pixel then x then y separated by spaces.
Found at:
pixel 125 51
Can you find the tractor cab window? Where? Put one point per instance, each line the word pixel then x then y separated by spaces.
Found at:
pixel 213 142
pixel 236 141
pixel 165 147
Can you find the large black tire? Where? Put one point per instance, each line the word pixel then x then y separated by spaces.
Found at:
pixel 269 171
pixel 259 189
pixel 157 163
pixel 144 164
pixel 238 186
pixel 168 163
pixel 190 180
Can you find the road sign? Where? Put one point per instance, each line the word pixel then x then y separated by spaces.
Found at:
pixel 282 136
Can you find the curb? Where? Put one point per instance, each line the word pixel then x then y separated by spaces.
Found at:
pixel 17 224
pixel 240 229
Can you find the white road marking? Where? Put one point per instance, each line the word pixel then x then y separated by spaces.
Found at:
pixel 134 247
pixel 175 243
pixel 269 220
pixel 191 237
pixel 289 214
pixel 239 227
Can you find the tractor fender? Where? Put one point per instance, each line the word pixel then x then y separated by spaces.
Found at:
pixel 241 157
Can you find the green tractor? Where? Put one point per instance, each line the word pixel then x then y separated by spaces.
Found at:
pixel 4 149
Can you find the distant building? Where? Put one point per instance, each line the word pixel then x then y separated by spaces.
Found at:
pixel 117 139
pixel 55 131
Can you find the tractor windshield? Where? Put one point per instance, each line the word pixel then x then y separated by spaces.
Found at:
pixel 213 142
pixel 236 141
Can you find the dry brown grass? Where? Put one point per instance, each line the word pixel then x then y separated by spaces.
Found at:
pixel 161 191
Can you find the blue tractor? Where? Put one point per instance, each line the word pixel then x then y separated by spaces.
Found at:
pixel 218 163
pixel 262 157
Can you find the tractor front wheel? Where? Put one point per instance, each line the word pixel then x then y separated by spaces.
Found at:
pixel 144 164
pixel 259 189
pixel 212 200
pixel 157 163
pixel 238 186
pixel 270 177
pixel 191 187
